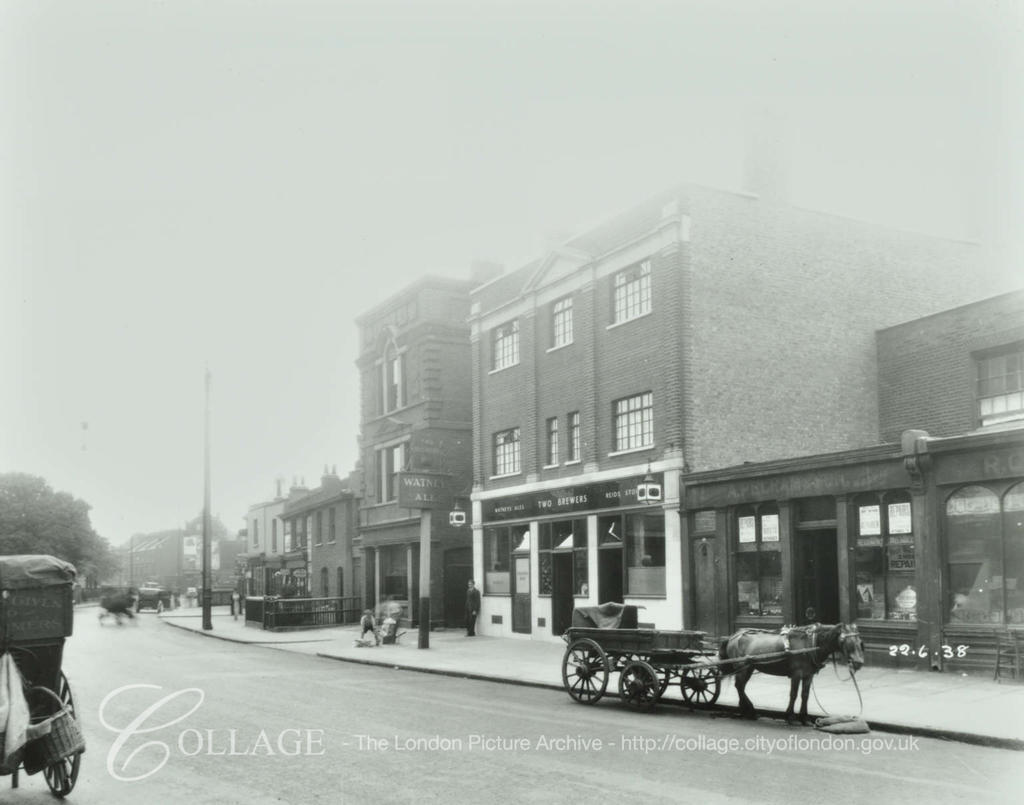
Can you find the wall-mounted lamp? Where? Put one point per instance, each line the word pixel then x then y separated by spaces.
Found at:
pixel 457 516
pixel 648 491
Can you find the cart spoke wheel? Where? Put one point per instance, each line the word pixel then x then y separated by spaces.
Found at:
pixel 585 671
pixel 639 685
pixel 62 775
pixel 701 686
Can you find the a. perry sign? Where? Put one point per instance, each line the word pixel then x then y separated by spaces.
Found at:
pixel 424 490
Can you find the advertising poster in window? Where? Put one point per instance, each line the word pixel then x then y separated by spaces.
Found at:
pixel 770 528
pixel 899 518
pixel 748 529
pixel 870 521
pixel 901 559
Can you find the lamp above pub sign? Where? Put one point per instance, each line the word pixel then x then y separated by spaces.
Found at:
pixel 424 490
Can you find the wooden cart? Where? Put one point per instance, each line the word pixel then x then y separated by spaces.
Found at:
pixel 647 661
pixel 36 615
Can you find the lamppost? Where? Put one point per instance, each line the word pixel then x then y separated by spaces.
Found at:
pixel 207 614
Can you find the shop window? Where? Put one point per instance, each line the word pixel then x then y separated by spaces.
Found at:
pixel 985 538
pixel 642 537
pixel 631 293
pixel 758 562
pixel 1001 386
pixel 558 537
pixel 498 560
pixel 884 560
pixel 394 572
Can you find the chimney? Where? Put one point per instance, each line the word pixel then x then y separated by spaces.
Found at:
pixel 483 271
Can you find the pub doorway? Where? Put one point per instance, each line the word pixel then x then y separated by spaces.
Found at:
pixel 521 593
pixel 609 574
pixel 817 576
pixel 562 599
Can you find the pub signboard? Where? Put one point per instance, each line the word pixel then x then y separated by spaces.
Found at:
pixel 567 499
pixel 424 490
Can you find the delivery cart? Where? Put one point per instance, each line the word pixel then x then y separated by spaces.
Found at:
pixel 36 615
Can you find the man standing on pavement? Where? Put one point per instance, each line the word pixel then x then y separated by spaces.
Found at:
pixel 472 608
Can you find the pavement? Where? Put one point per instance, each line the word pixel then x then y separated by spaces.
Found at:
pixel 969 708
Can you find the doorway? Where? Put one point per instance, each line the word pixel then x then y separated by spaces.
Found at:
pixel 817 576
pixel 562 599
pixel 710 611
pixel 609 574
pixel 458 570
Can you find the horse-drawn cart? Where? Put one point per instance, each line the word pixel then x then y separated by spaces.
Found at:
pixel 38 730
pixel 605 640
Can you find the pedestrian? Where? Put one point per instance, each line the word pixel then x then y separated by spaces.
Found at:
pixel 369 624
pixel 235 603
pixel 472 608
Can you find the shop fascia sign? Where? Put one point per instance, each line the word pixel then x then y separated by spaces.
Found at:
pixel 586 497
pixel 424 490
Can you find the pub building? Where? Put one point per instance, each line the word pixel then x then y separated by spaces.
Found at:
pixel 920 544
pixel 547 549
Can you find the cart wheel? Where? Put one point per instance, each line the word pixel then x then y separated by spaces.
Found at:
pixel 585 671
pixel 700 686
pixel 639 685
pixel 62 775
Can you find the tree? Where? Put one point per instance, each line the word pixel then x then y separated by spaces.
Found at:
pixel 35 519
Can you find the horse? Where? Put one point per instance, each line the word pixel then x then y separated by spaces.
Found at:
pixel 117 605
pixel 797 652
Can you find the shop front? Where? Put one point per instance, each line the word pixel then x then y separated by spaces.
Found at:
pixel 542 552
pixel 920 544
pixel 823 539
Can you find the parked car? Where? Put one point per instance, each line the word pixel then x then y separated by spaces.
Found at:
pixel 153 596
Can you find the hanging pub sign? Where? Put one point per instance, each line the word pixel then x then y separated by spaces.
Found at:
pixel 424 490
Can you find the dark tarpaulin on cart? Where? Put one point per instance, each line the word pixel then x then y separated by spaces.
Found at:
pixel 605 616
pixel 34 570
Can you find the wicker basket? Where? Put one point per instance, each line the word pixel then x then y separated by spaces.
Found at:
pixel 63 739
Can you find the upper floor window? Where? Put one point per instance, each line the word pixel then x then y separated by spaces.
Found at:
pixel 331 525
pixel 552 441
pixel 574 436
pixel 634 422
pixel 255 532
pixel 273 535
pixel 319 528
pixel 1001 387
pixel 506 452
pixel 561 322
pixel 505 344
pixel 631 293
pixel 390 461
pixel 392 381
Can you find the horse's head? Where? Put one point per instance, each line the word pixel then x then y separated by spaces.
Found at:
pixel 851 645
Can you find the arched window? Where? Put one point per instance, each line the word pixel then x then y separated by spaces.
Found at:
pixel 325 588
pixel 758 561
pixel 884 557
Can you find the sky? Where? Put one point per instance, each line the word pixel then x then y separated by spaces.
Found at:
pixel 226 184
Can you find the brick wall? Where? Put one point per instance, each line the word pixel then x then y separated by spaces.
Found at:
pixel 783 310
pixel 926 371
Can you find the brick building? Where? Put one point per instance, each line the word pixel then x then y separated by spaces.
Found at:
pixel 700 330
pixel 414 365
pixel 269 549
pixel 322 525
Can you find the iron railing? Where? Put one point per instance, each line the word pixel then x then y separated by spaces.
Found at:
pixel 276 614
